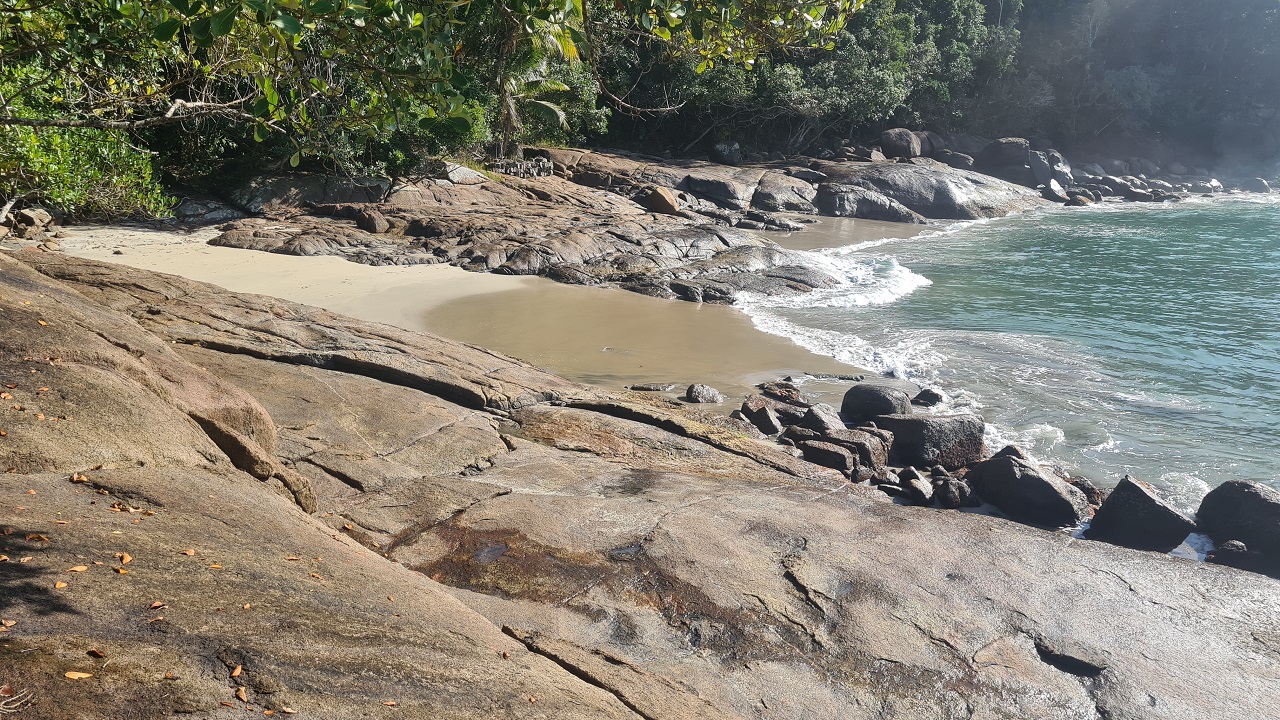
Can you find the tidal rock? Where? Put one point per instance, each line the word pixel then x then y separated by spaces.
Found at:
pixel 952 441
pixel 1078 201
pixel 661 200
pixel 778 192
pixel 1041 167
pixel 1095 495
pixel 729 153
pixel 1134 515
pixel 372 221
pixel 918 487
pixel 954 494
pixel 1012 451
pixel 1236 554
pixel 698 393
pixel 759 412
pixel 1244 511
pixel 860 202
pixel 1005 152
pixel 1257 185
pixel 822 418
pixel 939 192
pixel 784 391
pixel 1026 494
pixel 652 387
pixel 865 401
pixel 900 143
pixel 926 398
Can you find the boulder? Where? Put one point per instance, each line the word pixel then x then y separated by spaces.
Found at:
pixel 822 418
pixel 1114 167
pixel 957 160
pixel 1041 167
pixel 193 211
pixel 1061 169
pixel 1025 494
pixel 918 487
pixel 1005 152
pixel 698 393
pixel 1236 554
pixel 858 202
pixel 931 143
pixel 1054 192
pixel 954 494
pixel 807 175
pixel 1134 515
pixel 1257 185
pixel 784 391
pixel 727 153
pixel 968 144
pixel 1092 170
pixel 926 398
pixel 372 221
pixel 872 449
pixel 900 143
pixel 952 441
pixel 1078 201
pixel 33 217
pixel 778 192
pixel 865 401
pixel 829 455
pixel 940 192
pixel 788 413
pixel 1177 168
pixel 661 200
pixel 1245 511
pixel 761 415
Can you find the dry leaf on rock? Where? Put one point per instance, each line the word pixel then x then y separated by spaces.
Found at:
pixel 77 675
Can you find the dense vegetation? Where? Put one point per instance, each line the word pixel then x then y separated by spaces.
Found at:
pixel 103 100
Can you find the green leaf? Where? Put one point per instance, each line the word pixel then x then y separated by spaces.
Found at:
pixel 166 30
pixel 222 22
pixel 295 159
pixel 288 24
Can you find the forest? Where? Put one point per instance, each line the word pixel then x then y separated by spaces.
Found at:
pixel 106 105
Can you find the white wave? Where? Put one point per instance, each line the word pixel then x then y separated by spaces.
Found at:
pixel 909 358
pixel 862 282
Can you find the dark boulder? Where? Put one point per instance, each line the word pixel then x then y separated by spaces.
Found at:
pixel 1012 451
pixel 968 144
pixel 951 441
pixel 865 401
pixel 699 393
pixel 1025 494
pixel 900 143
pixel 918 487
pixel 1257 185
pixel 1078 201
pixel 939 192
pixel 1236 554
pixel 661 200
pixel 372 221
pixel 1244 511
pixel 1095 495
pixel 858 202
pixel 652 387
pixel 954 494
pixel 787 413
pixel 822 418
pixel 1041 167
pixel 927 398
pixel 1054 192
pixel 1005 152
pixel 1135 516
pixel 1061 168
pixel 784 391
pixel 931 143
pixel 727 153
pixel 829 455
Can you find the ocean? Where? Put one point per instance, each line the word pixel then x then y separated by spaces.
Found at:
pixel 1121 339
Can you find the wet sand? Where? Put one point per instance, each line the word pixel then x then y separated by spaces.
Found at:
pixel 600 336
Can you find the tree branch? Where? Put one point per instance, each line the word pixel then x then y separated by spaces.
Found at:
pixel 191 111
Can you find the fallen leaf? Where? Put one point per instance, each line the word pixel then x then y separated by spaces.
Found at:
pixel 288 711
pixel 241 695
pixel 391 598
pixel 36 537
pixel 125 558
pixel 268 713
pixel 26 559
pixel 215 566
pixel 156 620
pixel 42 390
pixel 59 585
pixel 157 605
pixel 77 675
pixel 237 671
pixel 170 676
pixel 4 558
pixel 293 557
pixel 5 396
pixel 95 653
pixel 188 552
pixel 391 703
pixel 43 323
pixel 3 434
pixel 316 576
pixel 247 606
pixel 122 571
pixel 31 492
pixel 8 623
pixel 7 691
pixel 78 568
pixel 226 704
pixel 61 522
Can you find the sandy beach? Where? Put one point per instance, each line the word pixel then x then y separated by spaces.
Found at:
pixel 594 335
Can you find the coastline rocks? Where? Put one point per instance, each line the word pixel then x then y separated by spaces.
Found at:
pixel 1026 494
pixel 954 159
pixel 822 418
pixel 866 401
pixel 1257 185
pixel 954 494
pixel 829 455
pixel 1135 516
pixel 779 192
pixel 661 200
pixel 761 415
pixel 938 192
pixel 728 153
pixel 1244 511
pixel 859 202
pixel 952 441
pixel 1005 152
pixel 927 397
pixel 699 393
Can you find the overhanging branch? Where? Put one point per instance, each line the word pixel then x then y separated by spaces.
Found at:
pixel 179 111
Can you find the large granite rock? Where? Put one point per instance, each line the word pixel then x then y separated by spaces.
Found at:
pixel 1244 511
pixel 865 401
pixel 901 143
pixel 952 441
pixel 490 540
pixel 859 202
pixel 1134 515
pixel 937 192
pixel 1024 493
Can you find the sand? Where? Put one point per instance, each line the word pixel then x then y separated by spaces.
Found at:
pixel 600 336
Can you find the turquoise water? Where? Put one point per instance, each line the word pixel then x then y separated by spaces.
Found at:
pixel 1123 339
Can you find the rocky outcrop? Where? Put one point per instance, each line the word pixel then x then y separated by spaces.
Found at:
pixel 1245 511
pixel 901 143
pixel 937 192
pixel 853 201
pixel 490 540
pixel 865 401
pixel 952 441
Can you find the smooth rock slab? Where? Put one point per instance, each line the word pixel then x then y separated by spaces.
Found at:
pixel 1134 515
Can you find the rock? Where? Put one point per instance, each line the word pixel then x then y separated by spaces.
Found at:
pixel 372 221
pixel 1012 451
pixel 652 387
pixel 859 202
pixel 918 488
pixel 698 393
pixel 1135 516
pixel 761 415
pixel 822 418
pixel 954 494
pixel 728 153
pixel 778 192
pixel 900 143
pixel 952 441
pixel 1054 192
pixel 1244 511
pixel 785 392
pixel 1092 493
pixel 1078 201
pixel 925 398
pixel 1005 152
pixel 1061 168
pixel 1114 167
pixel 954 159
pixel 1025 494
pixel 938 192
pixel 661 200
pixel 1177 168
pixel 829 455
pixel 463 175
pixel 1041 167
pixel 968 144
pixel 1236 554
pixel 931 143
pixel 807 175
pixel 196 211
pixel 866 401
pixel 1092 170
pixel 33 217
pixel 788 413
